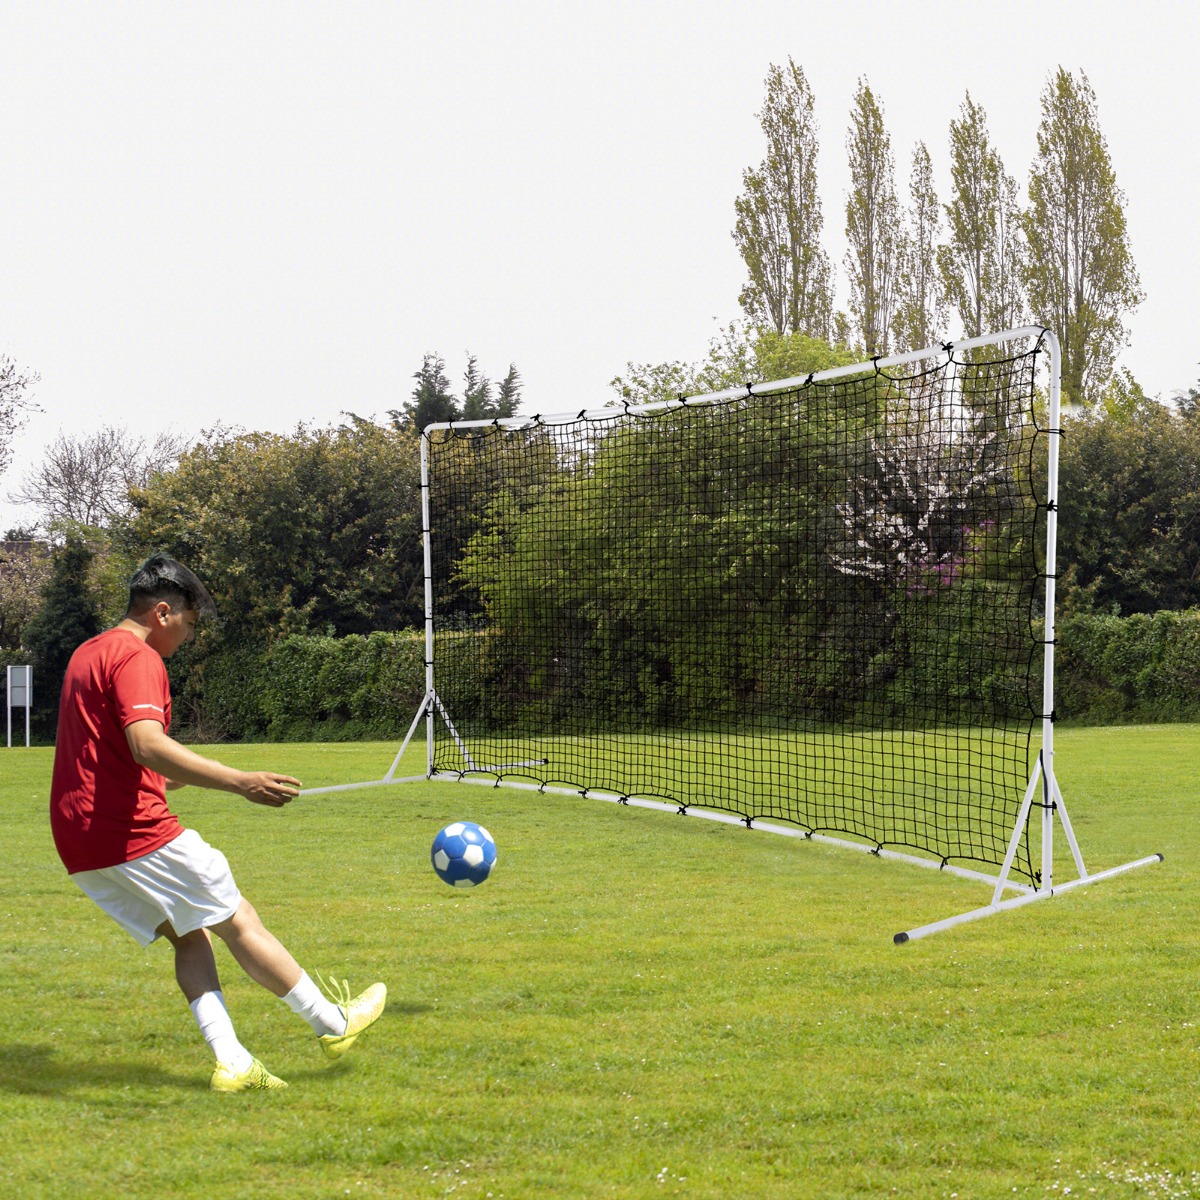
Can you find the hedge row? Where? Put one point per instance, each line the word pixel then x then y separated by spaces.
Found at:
pixel 1112 670
pixel 1109 670
pixel 304 688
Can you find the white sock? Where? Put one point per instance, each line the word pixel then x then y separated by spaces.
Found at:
pixel 213 1019
pixel 307 1000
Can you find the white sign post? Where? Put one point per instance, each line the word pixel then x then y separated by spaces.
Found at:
pixel 20 695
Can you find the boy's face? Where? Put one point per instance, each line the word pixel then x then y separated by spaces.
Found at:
pixel 171 628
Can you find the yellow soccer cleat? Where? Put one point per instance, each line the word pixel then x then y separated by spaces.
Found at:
pixel 255 1078
pixel 360 1013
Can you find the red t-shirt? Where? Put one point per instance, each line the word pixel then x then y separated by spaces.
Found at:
pixel 105 808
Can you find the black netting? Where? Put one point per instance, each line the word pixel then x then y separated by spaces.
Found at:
pixel 819 605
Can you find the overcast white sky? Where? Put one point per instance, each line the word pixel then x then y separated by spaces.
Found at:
pixel 266 213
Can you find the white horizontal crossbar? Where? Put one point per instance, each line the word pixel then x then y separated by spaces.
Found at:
pixel 754 389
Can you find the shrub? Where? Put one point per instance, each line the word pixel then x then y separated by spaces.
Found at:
pixel 1110 670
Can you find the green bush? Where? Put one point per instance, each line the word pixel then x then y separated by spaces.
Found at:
pixel 303 688
pixel 1145 667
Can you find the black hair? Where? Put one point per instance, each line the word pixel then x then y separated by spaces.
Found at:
pixel 160 577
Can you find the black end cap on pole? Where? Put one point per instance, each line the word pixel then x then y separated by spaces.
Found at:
pixel 900 939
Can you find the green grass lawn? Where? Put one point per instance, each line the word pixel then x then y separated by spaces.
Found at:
pixel 635 1005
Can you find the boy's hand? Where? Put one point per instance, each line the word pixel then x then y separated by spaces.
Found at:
pixel 268 787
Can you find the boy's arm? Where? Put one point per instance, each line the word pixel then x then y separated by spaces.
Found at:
pixel 153 747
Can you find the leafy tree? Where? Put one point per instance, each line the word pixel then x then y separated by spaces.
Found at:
pixel 779 220
pixel 68 616
pixel 647 637
pixel 1188 403
pixel 662 557
pixel 86 479
pixel 25 567
pixel 872 223
pixel 1080 273
pixel 14 385
pixel 1129 537
pixel 736 357
pixel 315 532
pixel 920 305
pixel 982 262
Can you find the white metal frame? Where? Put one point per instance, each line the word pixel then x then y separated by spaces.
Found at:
pixel 1042 781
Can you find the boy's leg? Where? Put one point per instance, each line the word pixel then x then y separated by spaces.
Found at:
pixel 195 966
pixel 258 951
pixel 267 961
pixel 196 972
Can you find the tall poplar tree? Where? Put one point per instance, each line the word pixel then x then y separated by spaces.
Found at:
pixel 981 263
pixel 920 303
pixel 779 220
pixel 1080 274
pixel 872 222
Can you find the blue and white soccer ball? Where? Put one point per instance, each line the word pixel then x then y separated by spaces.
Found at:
pixel 463 854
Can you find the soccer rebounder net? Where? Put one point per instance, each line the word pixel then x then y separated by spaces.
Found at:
pixel 822 606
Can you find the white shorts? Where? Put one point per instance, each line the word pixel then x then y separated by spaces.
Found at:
pixel 185 882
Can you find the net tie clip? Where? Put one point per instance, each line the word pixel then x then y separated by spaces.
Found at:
pixel 682 810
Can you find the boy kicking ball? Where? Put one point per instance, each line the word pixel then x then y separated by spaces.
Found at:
pixel 113 765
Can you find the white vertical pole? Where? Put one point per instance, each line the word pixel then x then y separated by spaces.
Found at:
pixel 8 703
pixel 1049 782
pixel 427 540
pixel 28 701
